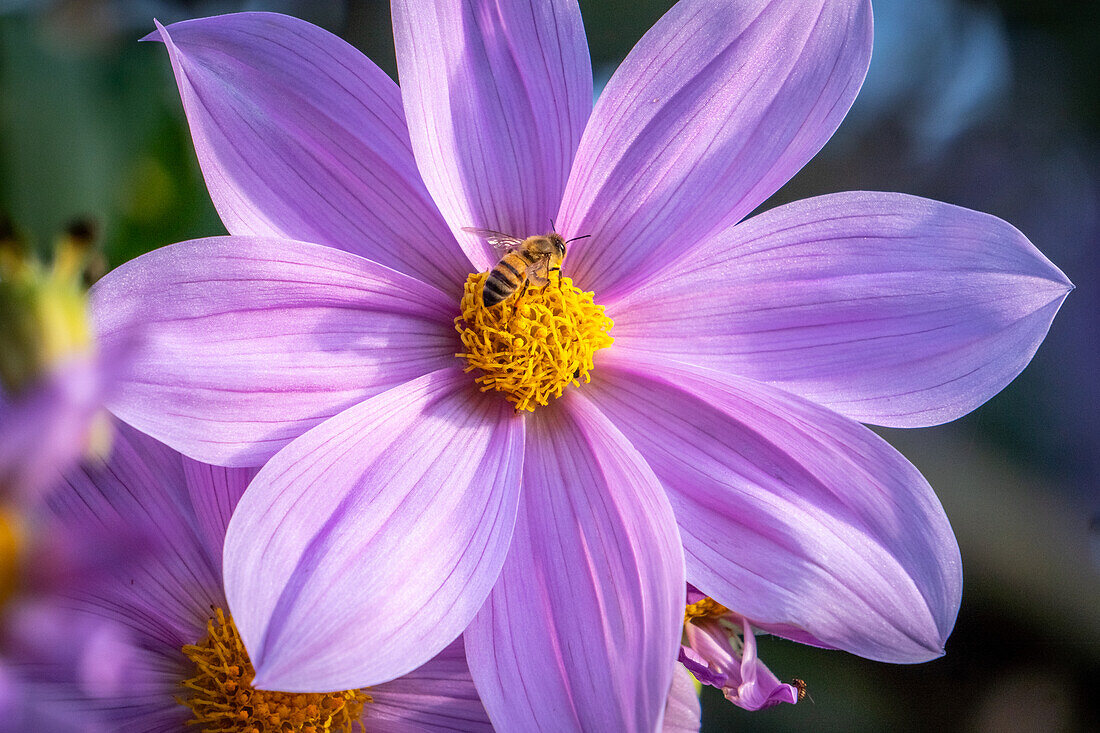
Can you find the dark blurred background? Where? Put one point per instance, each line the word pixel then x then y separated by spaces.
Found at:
pixel 990 105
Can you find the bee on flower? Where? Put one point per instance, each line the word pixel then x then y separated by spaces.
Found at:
pixel 686 407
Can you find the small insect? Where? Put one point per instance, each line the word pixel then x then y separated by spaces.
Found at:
pixel 525 261
pixel 800 685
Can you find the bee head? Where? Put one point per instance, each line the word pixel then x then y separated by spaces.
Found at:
pixel 559 243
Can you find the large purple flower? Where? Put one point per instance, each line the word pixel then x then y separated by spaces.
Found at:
pixel 402 504
pixel 166 597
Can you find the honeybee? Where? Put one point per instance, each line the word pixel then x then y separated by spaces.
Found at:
pixel 525 261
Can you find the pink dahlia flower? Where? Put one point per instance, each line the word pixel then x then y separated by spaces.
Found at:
pixel 718 440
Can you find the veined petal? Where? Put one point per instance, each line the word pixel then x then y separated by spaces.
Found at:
pixel 252 341
pixel 438 696
pixel 367 545
pixel 155 576
pixel 213 493
pixel 301 136
pixel 582 628
pixel 792 515
pixel 497 95
pixel 717 106
pixel 683 714
pixel 887 308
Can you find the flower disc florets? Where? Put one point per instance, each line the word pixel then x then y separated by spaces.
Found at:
pixel 705 608
pixel 535 343
pixel 223 700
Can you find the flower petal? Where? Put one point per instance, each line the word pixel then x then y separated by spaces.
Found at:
pixel 583 627
pixel 252 341
pixel 138 543
pixel 366 546
pixel 890 309
pixel 301 136
pixel 717 106
pixel 437 696
pixel 154 575
pixel 745 680
pixel 683 714
pixel 497 95
pixel 800 519
pixel 214 492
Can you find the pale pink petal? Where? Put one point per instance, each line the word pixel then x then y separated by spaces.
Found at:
pixel 717 106
pixel 583 627
pixel 759 687
pixel 497 95
pixel 252 341
pixel 366 546
pixel 891 309
pixel 683 714
pixel 798 518
pixel 301 136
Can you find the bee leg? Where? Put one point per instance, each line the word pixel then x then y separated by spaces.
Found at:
pixel 557 270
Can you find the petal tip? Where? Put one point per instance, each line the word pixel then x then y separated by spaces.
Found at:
pixel 158 35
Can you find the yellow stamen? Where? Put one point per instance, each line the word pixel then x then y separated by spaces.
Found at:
pixel 223 700
pixel 707 608
pixel 533 345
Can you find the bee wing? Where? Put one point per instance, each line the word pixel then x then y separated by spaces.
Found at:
pixel 499 240
pixel 538 272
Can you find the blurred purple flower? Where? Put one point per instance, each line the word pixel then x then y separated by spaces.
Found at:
pixel 53 377
pixel 401 505
pixel 50 425
pixel 44 559
pixel 162 597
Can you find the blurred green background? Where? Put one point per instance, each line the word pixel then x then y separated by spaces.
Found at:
pixel 990 105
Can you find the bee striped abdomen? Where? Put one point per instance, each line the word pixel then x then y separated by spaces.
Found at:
pixel 508 275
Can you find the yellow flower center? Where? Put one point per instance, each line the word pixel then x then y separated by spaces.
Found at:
pixel 707 608
pixel 535 343
pixel 223 700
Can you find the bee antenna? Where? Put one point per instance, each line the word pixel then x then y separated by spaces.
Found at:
pixel 574 239
pixel 552 227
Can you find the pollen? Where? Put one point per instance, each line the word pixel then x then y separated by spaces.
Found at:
pixel 534 344
pixel 706 608
pixel 222 699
